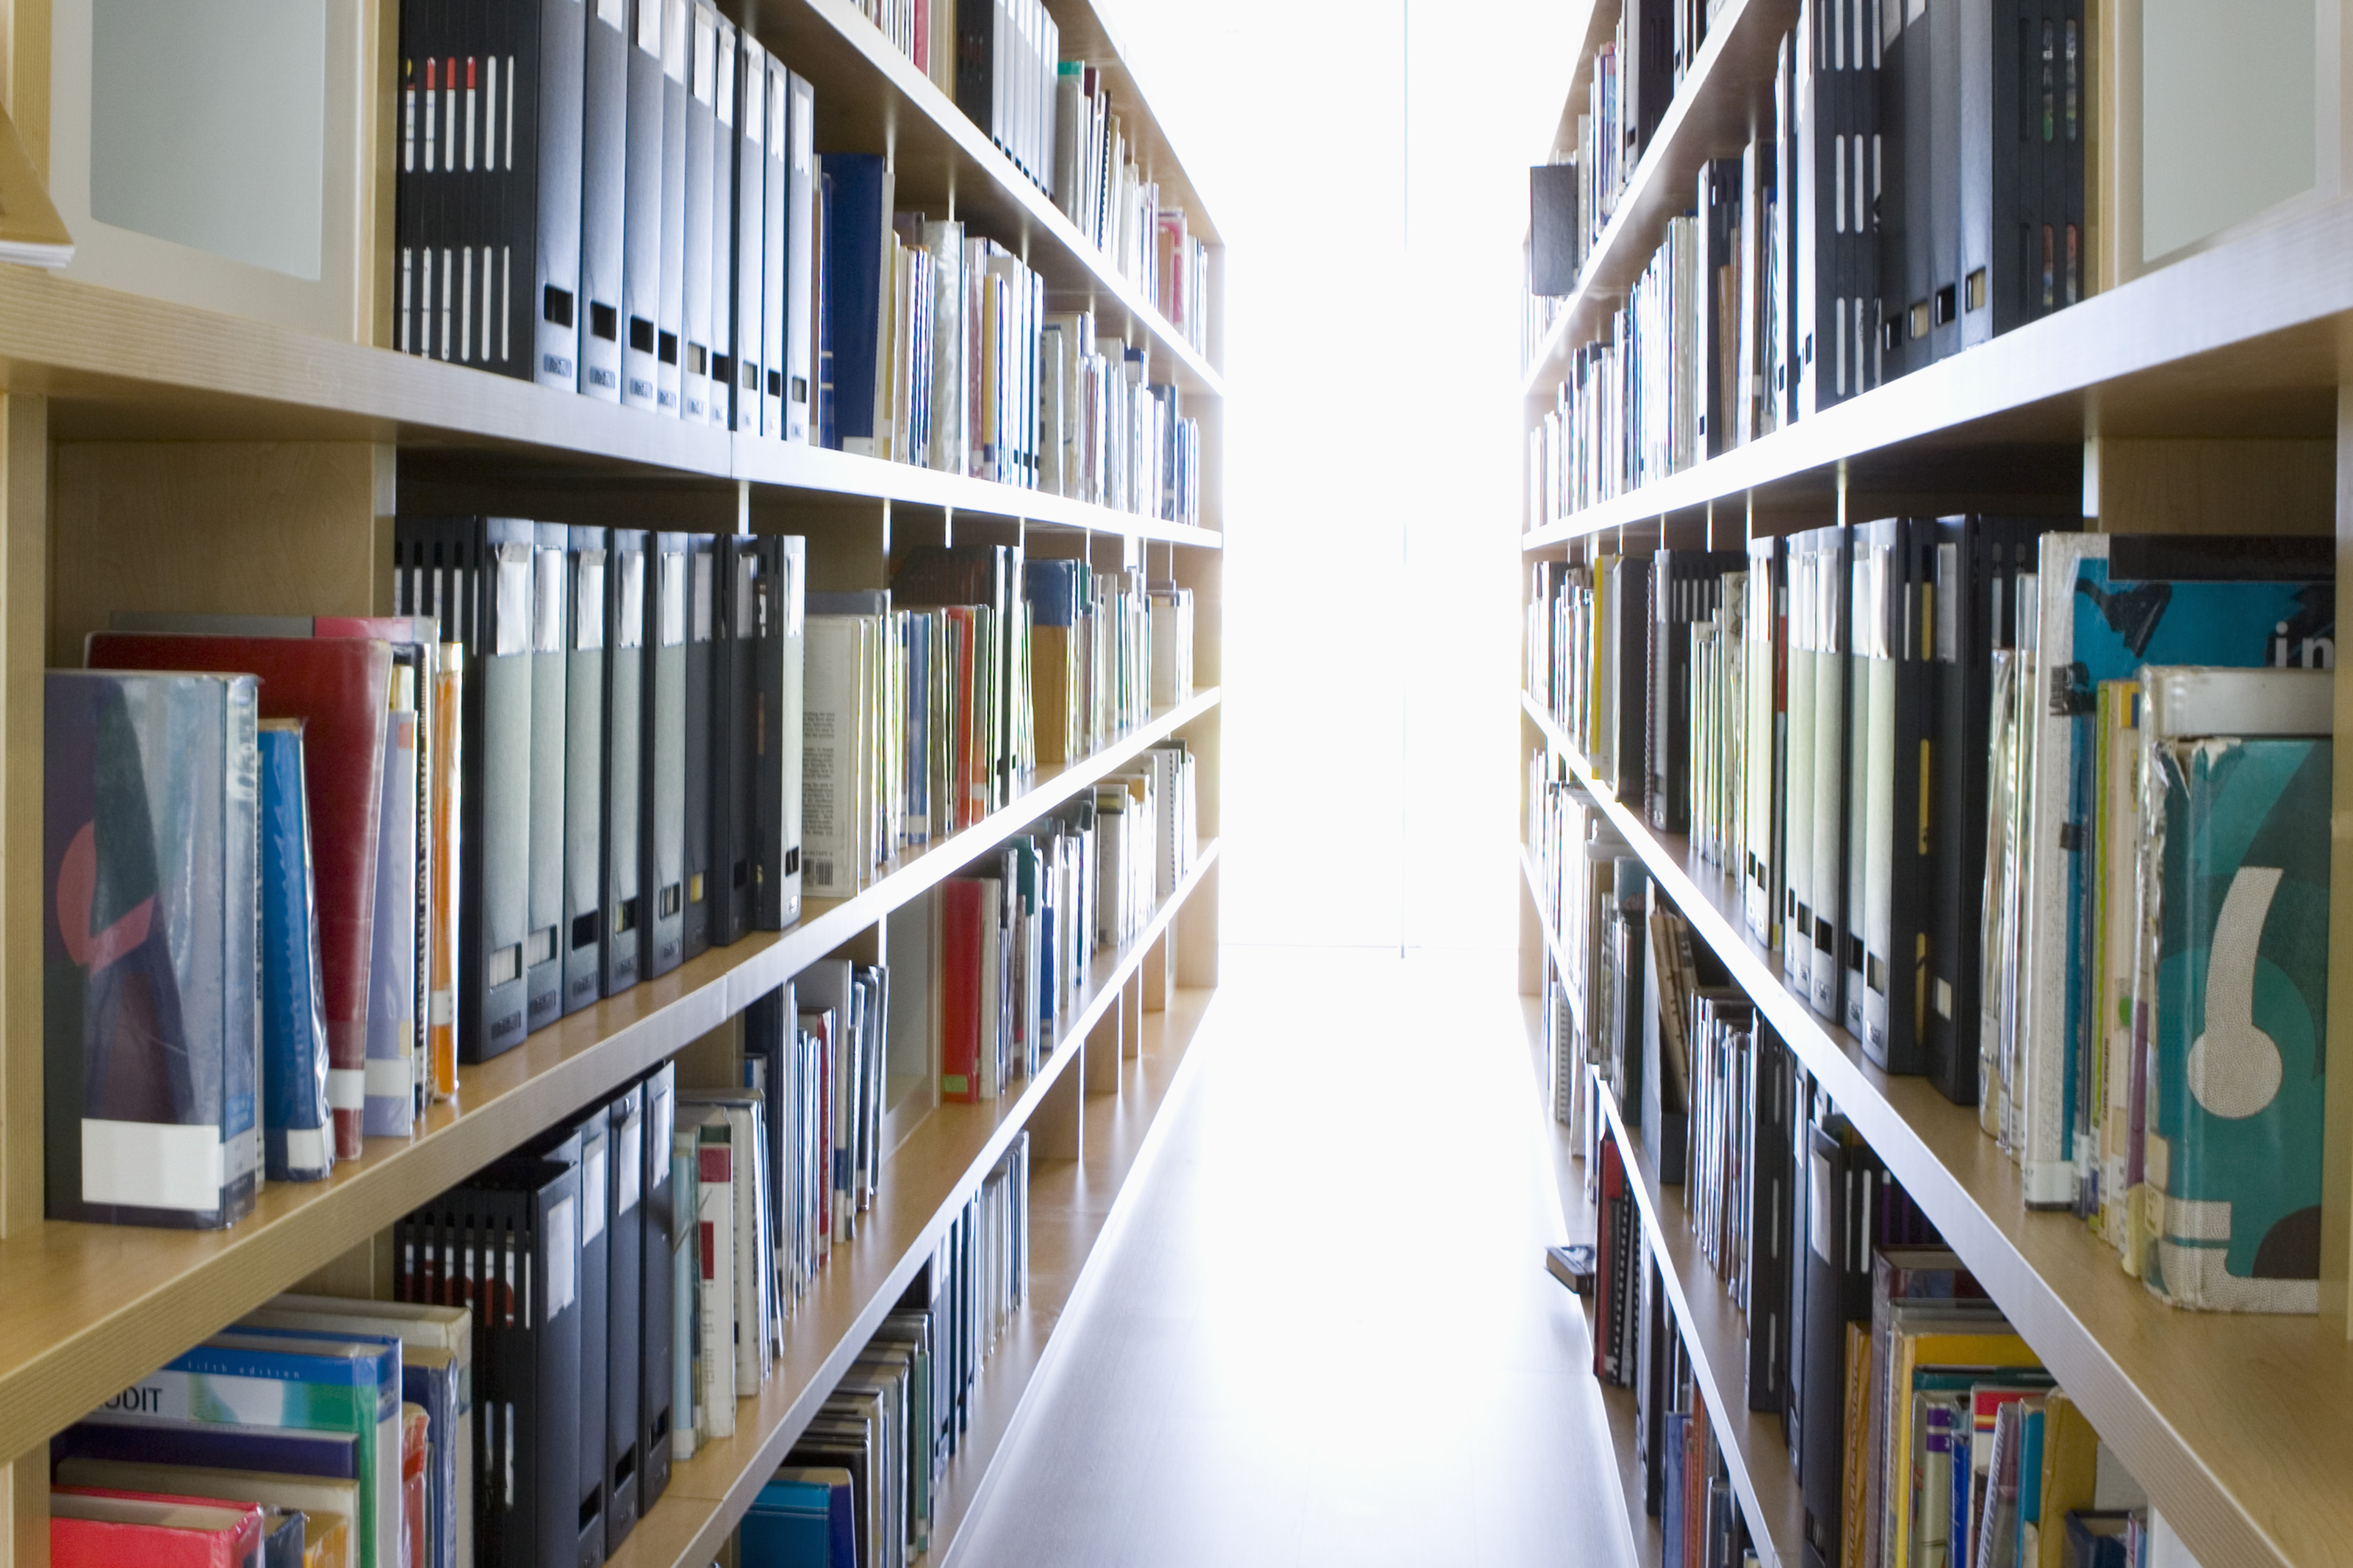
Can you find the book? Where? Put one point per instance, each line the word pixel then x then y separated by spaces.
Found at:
pixel 297 1128
pixel 333 1502
pixel 2232 984
pixel 91 1529
pixel 152 1040
pixel 395 1057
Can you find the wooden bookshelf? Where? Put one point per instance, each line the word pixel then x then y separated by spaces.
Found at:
pixel 161 454
pixel 1714 1330
pixel 2236 1424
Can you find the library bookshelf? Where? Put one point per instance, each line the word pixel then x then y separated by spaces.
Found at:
pixel 2205 394
pixel 159 454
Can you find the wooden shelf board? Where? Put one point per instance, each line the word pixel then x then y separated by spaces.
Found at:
pixel 1712 1329
pixel 872 98
pixel 1071 1203
pixel 924 1184
pixel 119 366
pixel 2247 339
pixel 2238 1426
pixel 89 1308
pixel 1715 109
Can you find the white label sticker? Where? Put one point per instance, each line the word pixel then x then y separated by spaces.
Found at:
pixel 562 1255
pixel 592 1195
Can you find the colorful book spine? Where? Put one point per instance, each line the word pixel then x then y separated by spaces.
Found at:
pixel 297 1129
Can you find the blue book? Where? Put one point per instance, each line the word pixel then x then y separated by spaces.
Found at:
pixel 857 227
pixel 802 1519
pixel 1055 589
pixel 151 1047
pixel 221 1446
pixel 2112 603
pixel 298 1130
pixel 315 1381
pixel 1670 1491
pixel 2234 997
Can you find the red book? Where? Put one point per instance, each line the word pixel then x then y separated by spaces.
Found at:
pixel 963 906
pixel 342 690
pixel 416 1525
pixel 94 1527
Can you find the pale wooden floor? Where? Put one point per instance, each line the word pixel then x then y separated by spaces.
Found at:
pixel 1321 1331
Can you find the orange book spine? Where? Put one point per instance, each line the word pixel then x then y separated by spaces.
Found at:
pixel 448 775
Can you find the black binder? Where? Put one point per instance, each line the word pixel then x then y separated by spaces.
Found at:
pixel 1898 870
pixel 800 257
pixel 587 1147
pixel 734 720
pixel 626 592
pixel 662 767
pixel 1978 560
pixel 1720 379
pixel 780 632
pixel 659 1216
pixel 1552 229
pixel 584 771
pixel 1843 1189
pixel 1771 1246
pixel 699 727
pixel 1631 600
pixel 1902 202
pixel 625 1326
pixel 750 206
pixel 669 319
pixel 544 949
pixel 772 272
pixel 694 254
pixel 1999 159
pixel 1944 178
pixel 495 1245
pixel 641 208
pixel 476 574
pixel 603 175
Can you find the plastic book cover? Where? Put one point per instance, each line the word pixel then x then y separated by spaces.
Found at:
pixel 154 1440
pixel 390 1109
pixel 2111 604
pixel 152 1046
pixel 298 1130
pixel 2237 829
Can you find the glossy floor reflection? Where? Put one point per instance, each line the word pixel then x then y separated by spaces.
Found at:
pixel 1321 1331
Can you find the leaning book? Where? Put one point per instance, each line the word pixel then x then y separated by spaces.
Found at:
pixel 151 926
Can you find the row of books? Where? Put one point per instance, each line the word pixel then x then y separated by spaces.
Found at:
pixel 574 760
pixel 1000 60
pixel 1886 1366
pixel 2021 860
pixel 1919 192
pixel 560 1343
pixel 976 377
pixel 859 1487
pixel 667 237
pixel 921 721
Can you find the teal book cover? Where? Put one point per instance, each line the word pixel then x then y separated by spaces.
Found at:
pixel 2232 1152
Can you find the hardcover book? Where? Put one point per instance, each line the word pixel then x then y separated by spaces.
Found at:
pixel 150 930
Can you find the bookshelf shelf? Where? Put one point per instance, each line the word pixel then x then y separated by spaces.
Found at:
pixel 1730 81
pixel 2238 1426
pixel 89 1308
pixel 2240 341
pixel 119 366
pixel 924 1181
pixel 870 96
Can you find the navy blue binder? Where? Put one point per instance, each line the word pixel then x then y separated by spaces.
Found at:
pixel 661 767
pixel 603 175
pixel 618 938
pixel 584 771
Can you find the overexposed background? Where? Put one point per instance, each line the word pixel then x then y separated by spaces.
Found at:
pixel 1365 164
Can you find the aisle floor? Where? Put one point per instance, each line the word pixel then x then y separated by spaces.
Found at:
pixel 1318 1330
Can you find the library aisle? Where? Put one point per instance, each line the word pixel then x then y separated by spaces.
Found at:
pixel 1322 1332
